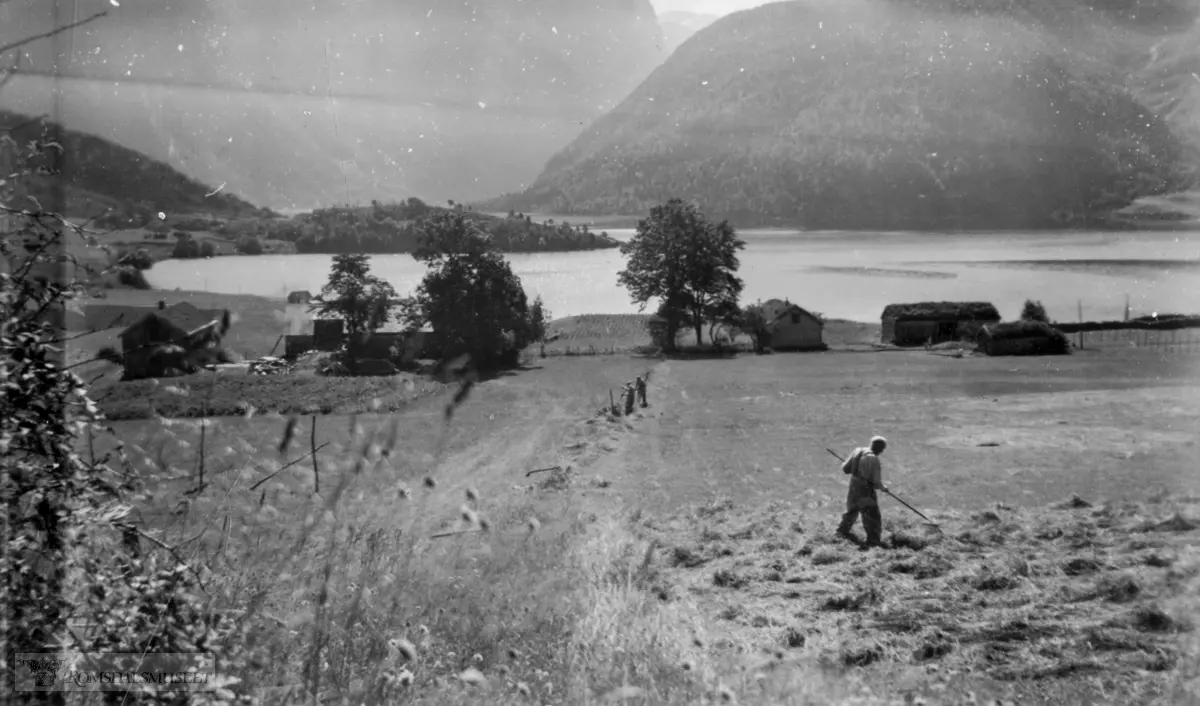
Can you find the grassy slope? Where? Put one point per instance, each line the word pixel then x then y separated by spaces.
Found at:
pixel 721 440
pixel 876 114
pixel 98 174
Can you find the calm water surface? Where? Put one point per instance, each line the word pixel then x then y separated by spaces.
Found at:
pixel 843 275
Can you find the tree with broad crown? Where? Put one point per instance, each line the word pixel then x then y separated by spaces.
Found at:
pixel 357 297
pixel 681 258
pixel 470 295
pixel 249 245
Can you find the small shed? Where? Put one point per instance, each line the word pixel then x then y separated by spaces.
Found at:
pixel 792 327
pixel 302 296
pixel 169 325
pixel 914 324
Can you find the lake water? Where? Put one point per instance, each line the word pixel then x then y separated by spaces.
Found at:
pixel 842 275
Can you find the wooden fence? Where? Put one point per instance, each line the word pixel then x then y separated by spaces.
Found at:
pixel 1180 340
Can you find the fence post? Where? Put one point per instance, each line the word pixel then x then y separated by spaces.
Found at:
pixel 1079 303
pixel 312 440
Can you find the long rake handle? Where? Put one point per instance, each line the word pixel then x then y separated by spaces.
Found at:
pixel 910 507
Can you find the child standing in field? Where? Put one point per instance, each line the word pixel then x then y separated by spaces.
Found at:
pixel 866 477
pixel 641 390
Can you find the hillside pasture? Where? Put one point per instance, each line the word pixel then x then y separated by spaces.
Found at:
pixel 727 469
pixel 161 248
pixel 1025 593
pixel 513 595
pixel 727 474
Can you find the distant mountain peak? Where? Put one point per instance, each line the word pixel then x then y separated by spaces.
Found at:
pixel 896 114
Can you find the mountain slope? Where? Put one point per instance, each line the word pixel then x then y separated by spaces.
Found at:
pixel 299 104
pixel 887 114
pixel 97 175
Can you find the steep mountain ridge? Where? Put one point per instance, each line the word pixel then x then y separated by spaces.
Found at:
pixel 327 101
pixel 896 114
pixel 98 175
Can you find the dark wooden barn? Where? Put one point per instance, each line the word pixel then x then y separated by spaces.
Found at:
pixel 914 324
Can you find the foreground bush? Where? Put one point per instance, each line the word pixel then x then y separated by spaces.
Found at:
pixel 73 547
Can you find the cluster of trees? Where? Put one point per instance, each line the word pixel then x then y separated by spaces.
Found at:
pixel 476 306
pixel 904 120
pixel 187 247
pixel 470 297
pixel 397 228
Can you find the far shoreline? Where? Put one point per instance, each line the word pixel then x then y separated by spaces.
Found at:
pixel 1189 227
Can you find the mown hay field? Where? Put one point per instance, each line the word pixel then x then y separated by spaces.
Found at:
pixel 1019 598
pixel 726 470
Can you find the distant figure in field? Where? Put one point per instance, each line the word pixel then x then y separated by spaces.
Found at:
pixel 866 477
pixel 641 390
pixel 628 394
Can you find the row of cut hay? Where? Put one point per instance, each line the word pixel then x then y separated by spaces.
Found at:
pixel 1009 594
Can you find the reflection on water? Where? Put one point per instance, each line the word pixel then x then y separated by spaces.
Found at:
pixel 842 275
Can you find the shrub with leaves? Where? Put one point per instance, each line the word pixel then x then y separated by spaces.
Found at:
pixel 1034 311
pixel 71 548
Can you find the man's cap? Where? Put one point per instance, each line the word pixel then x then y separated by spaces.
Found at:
pixel 878 440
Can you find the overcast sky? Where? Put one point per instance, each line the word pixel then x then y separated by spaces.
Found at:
pixel 712 7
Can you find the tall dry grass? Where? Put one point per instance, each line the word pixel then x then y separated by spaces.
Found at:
pixel 402 583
